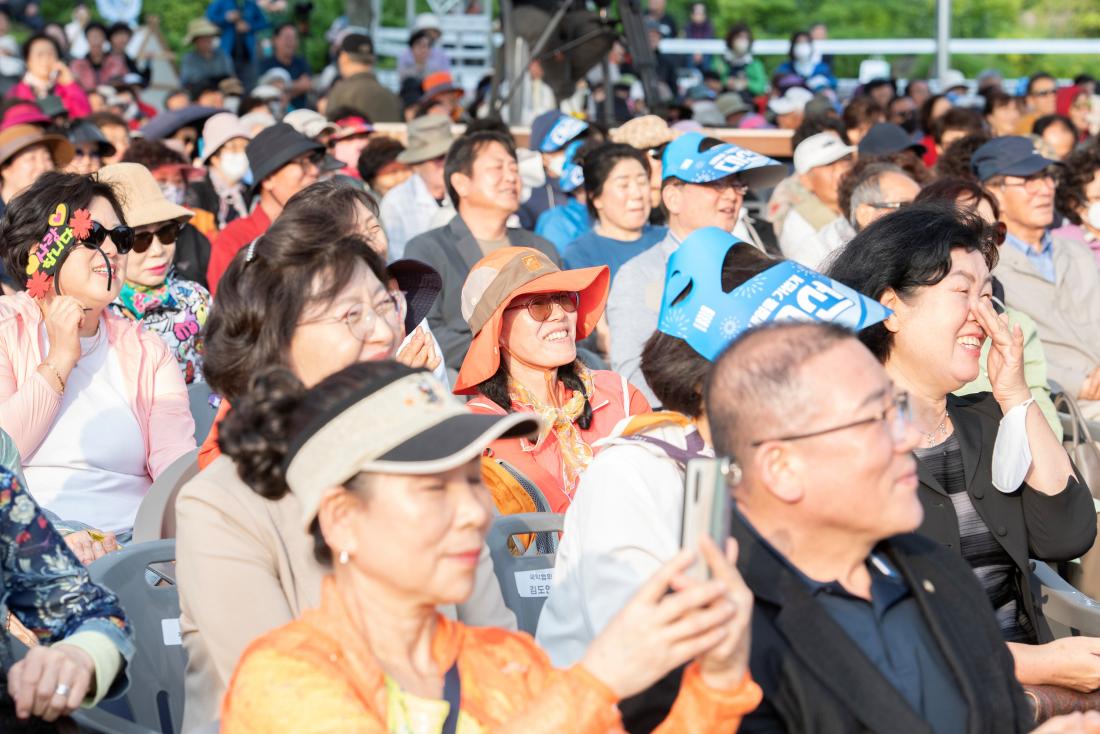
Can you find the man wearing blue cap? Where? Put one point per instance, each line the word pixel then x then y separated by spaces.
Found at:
pixel 551 134
pixel 1053 280
pixel 703 184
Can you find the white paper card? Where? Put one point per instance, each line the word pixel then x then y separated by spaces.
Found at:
pixel 534 584
pixel 170 629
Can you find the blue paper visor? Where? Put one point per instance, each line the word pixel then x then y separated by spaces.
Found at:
pixel 572 173
pixel 709 319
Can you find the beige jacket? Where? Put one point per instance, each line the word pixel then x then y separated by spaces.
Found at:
pixel 1066 313
pixel 244 567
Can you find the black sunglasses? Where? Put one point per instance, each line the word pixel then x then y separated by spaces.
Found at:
pixel 166 234
pixel 122 237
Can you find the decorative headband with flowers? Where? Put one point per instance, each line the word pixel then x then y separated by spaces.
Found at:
pixel 47 256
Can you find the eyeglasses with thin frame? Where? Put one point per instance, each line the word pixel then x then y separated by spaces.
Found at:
pixel 891 205
pixel 362 319
pixel 1034 183
pixel 541 305
pixel 313 160
pixel 897 415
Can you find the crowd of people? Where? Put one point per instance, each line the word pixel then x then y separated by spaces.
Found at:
pixel 406 336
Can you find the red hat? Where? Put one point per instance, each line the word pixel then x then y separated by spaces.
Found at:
pixel 346 127
pixel 437 83
pixel 506 274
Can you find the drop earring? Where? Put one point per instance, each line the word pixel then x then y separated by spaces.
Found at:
pixel 344 556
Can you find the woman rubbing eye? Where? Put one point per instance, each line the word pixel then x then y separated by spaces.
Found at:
pixel 996 485
pixel 96 405
pixel 526 317
pixel 404 516
pixel 153 293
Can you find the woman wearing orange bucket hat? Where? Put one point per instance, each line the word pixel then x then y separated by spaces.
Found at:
pixel 526 316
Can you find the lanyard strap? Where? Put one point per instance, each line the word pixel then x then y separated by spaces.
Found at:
pixel 452 694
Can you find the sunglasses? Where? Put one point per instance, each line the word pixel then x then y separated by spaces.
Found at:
pixel 166 234
pixel 1044 92
pixel 541 305
pixel 122 236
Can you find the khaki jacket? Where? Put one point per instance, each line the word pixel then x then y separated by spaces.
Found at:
pixel 1066 312
pixel 244 567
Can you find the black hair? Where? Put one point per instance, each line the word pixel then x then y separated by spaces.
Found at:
pixel 957 118
pixel 736 30
pixel 862 111
pixel 378 153
pixel 263 422
pixel 954 161
pixel 925 113
pixel 284 25
pixel 674 371
pixel 995 98
pixel 950 190
pixel 814 124
pixel 598 164
pixel 40 37
pixel 496 389
pixel 463 152
pixel 152 154
pixel 493 123
pixel 1046 121
pixel 120 27
pixel 906 250
pixel 907 160
pixel 862 171
pixel 417 35
pixel 24 222
pixel 260 301
pixel 94 25
pixel 1078 170
pixel 794 39
pixel 1038 76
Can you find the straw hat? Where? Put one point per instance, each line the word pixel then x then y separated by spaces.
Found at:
pixel 20 137
pixel 140 195
pixel 200 28
pixel 502 276
pixel 644 133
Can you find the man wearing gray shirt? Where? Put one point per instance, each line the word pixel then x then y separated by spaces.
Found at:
pixel 703 183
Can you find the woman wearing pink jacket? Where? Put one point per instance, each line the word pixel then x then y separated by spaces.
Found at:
pixel 97 407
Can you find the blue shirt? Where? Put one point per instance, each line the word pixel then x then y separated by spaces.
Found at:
pixel 592 249
pixel 1042 260
pixel 563 223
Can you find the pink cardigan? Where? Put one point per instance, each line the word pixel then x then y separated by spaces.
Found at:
pixel 155 386
pixel 72 97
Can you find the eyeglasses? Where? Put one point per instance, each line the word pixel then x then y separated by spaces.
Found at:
pixel 313 160
pixel 897 415
pixel 541 306
pixel 1034 183
pixel 122 237
pixel 892 205
pixel 362 319
pixel 1044 92
pixel 167 235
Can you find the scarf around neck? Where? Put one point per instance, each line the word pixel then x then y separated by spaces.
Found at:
pixel 139 300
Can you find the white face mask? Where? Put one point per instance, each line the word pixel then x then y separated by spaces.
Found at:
pixel 233 166
pixel 741 46
pixel 555 165
pixel 173 192
pixel 1094 215
pixel 802 51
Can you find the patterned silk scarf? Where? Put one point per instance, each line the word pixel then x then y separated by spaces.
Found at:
pixel 139 299
pixel 575 453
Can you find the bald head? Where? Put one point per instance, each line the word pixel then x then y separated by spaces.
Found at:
pixel 758 389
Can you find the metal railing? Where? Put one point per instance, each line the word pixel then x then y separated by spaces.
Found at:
pixel 896 46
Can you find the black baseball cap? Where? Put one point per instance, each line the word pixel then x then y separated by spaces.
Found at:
pixel 357 44
pixel 886 138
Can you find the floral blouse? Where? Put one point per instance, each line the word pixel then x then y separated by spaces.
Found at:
pixel 176 312
pixel 42 583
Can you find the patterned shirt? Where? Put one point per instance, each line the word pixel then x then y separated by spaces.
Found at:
pixel 43 584
pixel 176 312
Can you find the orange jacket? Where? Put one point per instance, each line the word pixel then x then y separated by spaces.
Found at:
pixel 317 674
pixel 614 399
pixel 210 449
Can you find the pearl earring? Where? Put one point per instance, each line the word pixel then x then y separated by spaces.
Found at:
pixel 344 556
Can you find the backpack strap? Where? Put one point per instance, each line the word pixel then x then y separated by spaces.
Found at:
pixel 681 456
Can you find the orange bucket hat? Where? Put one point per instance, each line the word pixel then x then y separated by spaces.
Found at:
pixel 509 273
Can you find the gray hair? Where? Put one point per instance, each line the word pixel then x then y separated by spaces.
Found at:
pixel 868 189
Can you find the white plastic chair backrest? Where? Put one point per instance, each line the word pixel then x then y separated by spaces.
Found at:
pixel 156 516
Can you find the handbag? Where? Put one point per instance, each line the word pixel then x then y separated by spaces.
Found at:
pixel 1079 442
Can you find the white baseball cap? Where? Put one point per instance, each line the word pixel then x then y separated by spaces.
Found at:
pixel 820 150
pixel 794 99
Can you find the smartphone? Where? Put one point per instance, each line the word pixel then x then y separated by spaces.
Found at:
pixel 706 509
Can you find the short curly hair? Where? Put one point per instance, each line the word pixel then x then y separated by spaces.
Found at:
pixel 1079 168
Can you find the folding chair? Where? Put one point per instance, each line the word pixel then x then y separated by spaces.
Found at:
pixel 198 395
pixel 155 696
pixel 524 580
pixel 156 516
pixel 1067 610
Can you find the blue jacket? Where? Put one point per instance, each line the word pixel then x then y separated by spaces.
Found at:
pixel 250 13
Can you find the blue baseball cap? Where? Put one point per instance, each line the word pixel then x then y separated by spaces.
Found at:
pixel 572 173
pixel 551 131
pixel 695 307
pixel 1012 155
pixel 684 160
